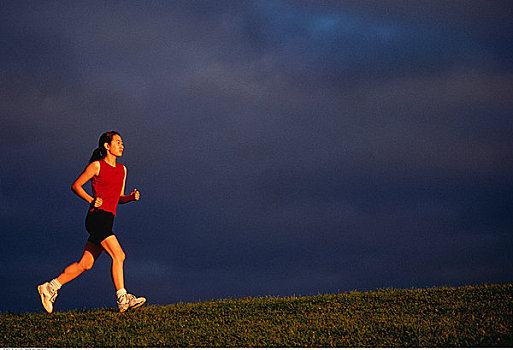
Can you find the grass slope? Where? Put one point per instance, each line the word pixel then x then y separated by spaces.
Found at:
pixel 438 317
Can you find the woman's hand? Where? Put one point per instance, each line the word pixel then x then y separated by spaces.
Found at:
pixel 97 202
pixel 135 194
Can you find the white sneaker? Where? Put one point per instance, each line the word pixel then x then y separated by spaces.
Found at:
pixel 129 301
pixel 48 295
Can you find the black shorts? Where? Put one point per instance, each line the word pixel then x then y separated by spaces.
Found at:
pixel 99 225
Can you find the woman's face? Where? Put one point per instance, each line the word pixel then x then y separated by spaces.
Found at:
pixel 116 146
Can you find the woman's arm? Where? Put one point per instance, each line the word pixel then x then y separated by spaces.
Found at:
pixel 91 170
pixel 134 195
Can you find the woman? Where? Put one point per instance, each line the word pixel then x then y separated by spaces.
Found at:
pixel 108 185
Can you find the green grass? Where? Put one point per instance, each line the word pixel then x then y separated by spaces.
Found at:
pixel 437 317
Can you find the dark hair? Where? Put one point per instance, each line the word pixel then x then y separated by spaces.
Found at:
pixel 101 151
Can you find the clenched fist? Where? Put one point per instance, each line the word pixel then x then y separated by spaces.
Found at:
pixel 97 202
pixel 135 194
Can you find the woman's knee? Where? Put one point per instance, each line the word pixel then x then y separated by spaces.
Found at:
pixel 86 264
pixel 91 253
pixel 119 256
pixel 112 247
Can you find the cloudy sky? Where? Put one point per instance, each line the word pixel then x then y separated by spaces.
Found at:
pixel 280 147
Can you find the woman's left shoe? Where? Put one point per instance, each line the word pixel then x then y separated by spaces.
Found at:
pixel 129 301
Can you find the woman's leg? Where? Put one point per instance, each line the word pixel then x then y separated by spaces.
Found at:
pixel 112 247
pixel 124 300
pixel 91 253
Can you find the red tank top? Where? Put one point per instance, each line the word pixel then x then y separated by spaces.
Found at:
pixel 108 184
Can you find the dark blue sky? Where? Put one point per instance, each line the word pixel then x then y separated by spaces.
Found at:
pixel 281 147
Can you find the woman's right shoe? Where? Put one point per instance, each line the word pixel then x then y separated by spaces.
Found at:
pixel 48 295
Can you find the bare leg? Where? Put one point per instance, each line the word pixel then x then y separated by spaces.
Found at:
pixel 112 247
pixel 91 253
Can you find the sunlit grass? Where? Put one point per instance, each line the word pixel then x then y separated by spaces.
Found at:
pixel 438 317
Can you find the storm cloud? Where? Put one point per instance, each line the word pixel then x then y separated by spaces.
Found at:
pixel 280 147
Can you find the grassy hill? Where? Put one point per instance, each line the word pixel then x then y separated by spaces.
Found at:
pixel 446 317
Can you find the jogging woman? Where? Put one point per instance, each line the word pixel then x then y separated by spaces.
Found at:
pixel 108 185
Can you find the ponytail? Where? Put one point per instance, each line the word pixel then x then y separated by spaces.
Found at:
pixel 101 151
pixel 97 155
